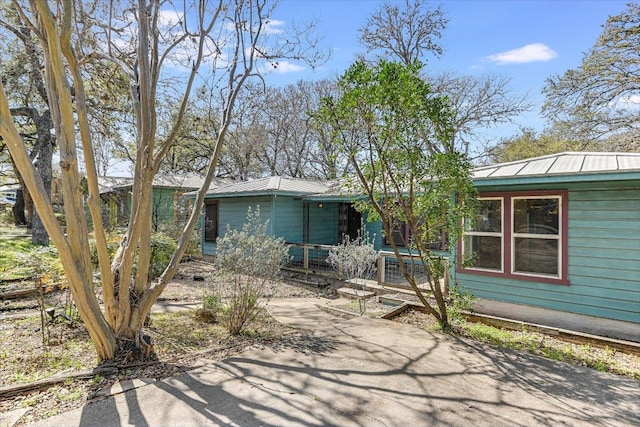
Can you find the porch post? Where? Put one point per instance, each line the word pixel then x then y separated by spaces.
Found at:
pixel 380 275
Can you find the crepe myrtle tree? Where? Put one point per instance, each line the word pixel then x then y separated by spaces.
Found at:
pixel 397 135
pixel 157 45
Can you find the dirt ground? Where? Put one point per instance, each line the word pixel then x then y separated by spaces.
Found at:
pixel 21 342
pixel 182 341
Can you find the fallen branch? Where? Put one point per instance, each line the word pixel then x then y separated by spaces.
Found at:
pixel 16 390
pixel 23 293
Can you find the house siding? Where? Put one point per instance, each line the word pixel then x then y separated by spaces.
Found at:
pixel 603 259
pixel 288 218
pixel 233 213
pixel 323 224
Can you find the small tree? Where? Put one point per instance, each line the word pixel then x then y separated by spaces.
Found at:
pixel 355 260
pixel 397 135
pixel 247 261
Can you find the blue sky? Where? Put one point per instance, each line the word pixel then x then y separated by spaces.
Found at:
pixel 527 41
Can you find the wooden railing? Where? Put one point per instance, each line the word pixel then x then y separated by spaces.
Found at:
pixel 390 274
pixel 312 259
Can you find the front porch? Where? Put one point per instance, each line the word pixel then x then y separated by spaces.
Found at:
pixel 311 259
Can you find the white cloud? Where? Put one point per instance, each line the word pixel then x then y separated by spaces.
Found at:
pixel 271 26
pixel 169 17
pixel 284 67
pixel 535 52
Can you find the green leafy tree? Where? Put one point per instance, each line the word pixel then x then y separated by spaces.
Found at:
pixel 529 144
pixel 599 99
pixel 397 135
pixel 411 31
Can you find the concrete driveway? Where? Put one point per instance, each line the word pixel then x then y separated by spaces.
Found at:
pixel 364 372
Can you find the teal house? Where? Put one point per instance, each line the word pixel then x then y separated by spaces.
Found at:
pixel 168 203
pixel 312 216
pixel 560 232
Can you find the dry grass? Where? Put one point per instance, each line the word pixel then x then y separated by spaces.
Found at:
pixel 181 342
pixel 599 358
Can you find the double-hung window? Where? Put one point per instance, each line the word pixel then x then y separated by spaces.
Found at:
pixel 536 235
pixel 518 235
pixel 484 237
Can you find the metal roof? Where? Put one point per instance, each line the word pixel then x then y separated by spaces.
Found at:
pixel 188 182
pixel 568 163
pixel 274 184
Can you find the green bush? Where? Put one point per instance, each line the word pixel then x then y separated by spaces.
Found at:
pixel 162 248
pixel 174 230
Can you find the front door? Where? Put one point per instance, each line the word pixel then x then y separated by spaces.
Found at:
pixel 349 221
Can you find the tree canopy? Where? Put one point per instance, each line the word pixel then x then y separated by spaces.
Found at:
pixel 601 98
pixel 397 135
pixel 411 32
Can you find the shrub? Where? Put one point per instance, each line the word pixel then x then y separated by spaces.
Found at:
pixel 247 260
pixel 175 229
pixel 162 247
pixel 355 259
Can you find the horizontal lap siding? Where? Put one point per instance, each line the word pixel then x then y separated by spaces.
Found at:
pixel 323 224
pixel 604 261
pixel 604 251
pixel 233 213
pixel 287 221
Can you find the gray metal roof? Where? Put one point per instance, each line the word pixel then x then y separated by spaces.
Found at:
pixel 568 163
pixel 187 182
pixel 271 185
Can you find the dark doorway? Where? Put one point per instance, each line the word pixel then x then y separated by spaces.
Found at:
pixel 349 221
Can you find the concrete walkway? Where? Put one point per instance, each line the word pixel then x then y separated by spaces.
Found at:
pixel 364 372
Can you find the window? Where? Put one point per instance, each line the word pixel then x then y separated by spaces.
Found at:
pixel 518 235
pixel 210 222
pixel 536 235
pixel 483 242
pixel 400 234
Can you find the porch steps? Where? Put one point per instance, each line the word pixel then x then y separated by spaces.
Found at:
pixel 373 286
pixel 352 293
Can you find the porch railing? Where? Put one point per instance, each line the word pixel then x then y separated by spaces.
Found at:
pixel 390 273
pixel 312 259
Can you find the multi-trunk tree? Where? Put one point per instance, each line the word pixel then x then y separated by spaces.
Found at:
pixel 155 46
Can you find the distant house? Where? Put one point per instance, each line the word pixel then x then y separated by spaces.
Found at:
pixel 167 205
pixel 559 232
pixel 8 194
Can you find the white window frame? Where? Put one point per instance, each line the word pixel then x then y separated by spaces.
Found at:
pixel 558 237
pixel 488 234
